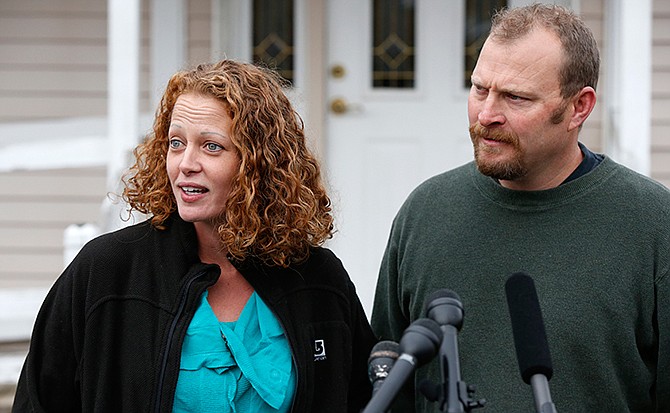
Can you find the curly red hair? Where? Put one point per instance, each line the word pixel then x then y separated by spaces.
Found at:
pixel 278 207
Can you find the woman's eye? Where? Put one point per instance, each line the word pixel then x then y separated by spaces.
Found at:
pixel 174 143
pixel 213 147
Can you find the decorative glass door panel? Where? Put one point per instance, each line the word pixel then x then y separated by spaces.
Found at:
pixel 393 43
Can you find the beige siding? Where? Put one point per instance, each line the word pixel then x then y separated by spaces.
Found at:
pixel 53 64
pixel 36 208
pixel 591 135
pixel 199 31
pixel 660 118
pixel 593 13
pixel 53 59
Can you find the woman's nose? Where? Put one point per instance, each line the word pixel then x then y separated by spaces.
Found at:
pixel 190 161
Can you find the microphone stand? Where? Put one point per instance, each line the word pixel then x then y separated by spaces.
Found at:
pixel 540 386
pixel 455 394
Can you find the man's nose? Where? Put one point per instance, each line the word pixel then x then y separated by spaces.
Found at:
pixel 491 112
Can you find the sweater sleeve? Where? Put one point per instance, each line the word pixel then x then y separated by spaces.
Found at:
pixel 663 367
pixel 360 388
pixel 388 316
pixel 387 309
pixel 49 378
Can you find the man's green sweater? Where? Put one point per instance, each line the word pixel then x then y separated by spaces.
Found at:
pixel 598 249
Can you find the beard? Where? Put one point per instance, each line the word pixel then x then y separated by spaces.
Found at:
pixel 506 169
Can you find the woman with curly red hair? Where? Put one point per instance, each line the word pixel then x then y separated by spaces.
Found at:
pixel 224 299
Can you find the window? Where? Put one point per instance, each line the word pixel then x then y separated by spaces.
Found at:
pixel 478 15
pixel 393 47
pixel 273 29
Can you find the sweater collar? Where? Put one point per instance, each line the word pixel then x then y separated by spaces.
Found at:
pixel 545 199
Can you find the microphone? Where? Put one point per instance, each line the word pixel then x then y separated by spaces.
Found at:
pixel 444 307
pixel 382 358
pixel 530 338
pixel 418 345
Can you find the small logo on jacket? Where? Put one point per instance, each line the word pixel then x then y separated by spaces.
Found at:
pixel 319 350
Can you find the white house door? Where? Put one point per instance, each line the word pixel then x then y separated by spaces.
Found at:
pixel 396 116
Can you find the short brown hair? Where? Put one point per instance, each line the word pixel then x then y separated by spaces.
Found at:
pixel 278 207
pixel 582 58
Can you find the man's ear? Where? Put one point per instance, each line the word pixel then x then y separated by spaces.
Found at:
pixel 582 105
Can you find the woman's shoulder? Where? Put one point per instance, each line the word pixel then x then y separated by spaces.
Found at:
pixel 321 269
pixel 323 260
pixel 130 238
pixel 139 254
pixel 142 242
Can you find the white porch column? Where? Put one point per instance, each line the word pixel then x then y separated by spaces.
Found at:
pixel 123 97
pixel 232 30
pixel 168 44
pixel 627 86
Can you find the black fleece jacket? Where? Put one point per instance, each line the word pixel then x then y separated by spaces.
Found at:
pixel 108 336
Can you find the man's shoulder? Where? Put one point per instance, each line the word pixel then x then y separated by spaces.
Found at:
pixel 631 182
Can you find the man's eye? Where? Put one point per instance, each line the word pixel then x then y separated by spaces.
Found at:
pixel 480 90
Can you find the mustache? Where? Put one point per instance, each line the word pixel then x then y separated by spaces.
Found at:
pixel 477 132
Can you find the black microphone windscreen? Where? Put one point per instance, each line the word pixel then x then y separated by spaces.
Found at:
pixel 386 348
pixel 421 339
pixel 530 338
pixel 445 307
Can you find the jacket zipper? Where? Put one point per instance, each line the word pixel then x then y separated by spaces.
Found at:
pixel 168 343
